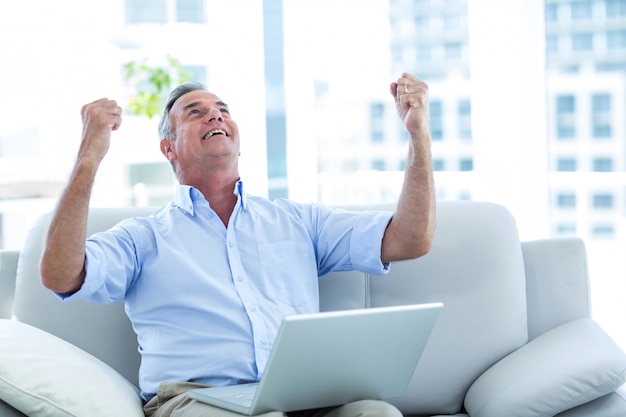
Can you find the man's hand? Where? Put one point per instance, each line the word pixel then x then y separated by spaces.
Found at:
pixel 411 98
pixel 100 118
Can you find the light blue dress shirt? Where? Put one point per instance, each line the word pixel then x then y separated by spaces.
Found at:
pixel 206 300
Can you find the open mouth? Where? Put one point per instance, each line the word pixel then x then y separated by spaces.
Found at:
pixel 213 133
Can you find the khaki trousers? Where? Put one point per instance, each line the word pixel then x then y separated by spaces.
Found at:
pixel 172 401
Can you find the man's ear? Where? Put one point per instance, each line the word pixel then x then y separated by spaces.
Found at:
pixel 168 149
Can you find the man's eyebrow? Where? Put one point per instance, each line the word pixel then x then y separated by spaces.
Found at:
pixel 197 103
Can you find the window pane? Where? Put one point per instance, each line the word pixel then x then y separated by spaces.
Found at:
pixel 566 200
pixel 581 10
pixel 582 42
pixel 602 165
pixel 191 11
pixel 566 165
pixel 146 11
pixel 615 8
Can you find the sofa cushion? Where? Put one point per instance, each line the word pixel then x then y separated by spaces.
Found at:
pixel 475 267
pixel 567 366
pixel 42 375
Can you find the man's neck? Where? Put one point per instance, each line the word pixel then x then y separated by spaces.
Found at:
pixel 219 192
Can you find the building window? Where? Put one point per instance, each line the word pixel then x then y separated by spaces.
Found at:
pixel 146 11
pixel 565 113
pixel 466 164
pixel 552 12
pixel 603 165
pixel 379 165
pixel 602 201
pixel 164 11
pixel 582 42
pixel 552 43
pixel 582 10
pixel 439 164
pixel 436 119
pixel 465 119
pixel 601 115
pixel 453 50
pixel 377 113
pixel 566 229
pixel 566 200
pixel 605 231
pixel 566 165
pixel 615 8
pixel 191 11
pixel 616 39
pixel 424 53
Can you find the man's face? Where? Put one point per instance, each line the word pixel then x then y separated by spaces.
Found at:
pixel 205 132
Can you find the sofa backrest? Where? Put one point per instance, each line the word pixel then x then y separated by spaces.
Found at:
pixel 102 330
pixel 475 268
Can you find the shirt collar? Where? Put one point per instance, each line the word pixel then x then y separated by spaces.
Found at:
pixel 186 195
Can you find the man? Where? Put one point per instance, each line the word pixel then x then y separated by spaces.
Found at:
pixel 207 279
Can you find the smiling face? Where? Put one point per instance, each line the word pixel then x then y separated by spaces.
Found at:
pixel 205 137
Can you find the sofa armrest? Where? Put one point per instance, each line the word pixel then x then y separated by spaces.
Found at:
pixel 557 283
pixel 8 273
pixel 565 367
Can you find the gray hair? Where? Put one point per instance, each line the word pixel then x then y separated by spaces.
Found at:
pixel 166 130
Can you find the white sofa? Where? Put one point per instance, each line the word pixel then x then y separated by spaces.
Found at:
pixel 515 337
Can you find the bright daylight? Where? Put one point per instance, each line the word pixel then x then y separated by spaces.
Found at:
pixel 464 158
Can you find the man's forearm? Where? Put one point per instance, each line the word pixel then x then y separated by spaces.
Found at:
pixel 63 261
pixel 411 230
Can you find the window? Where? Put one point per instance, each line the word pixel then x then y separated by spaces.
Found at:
pixel 602 201
pixel 615 8
pixel 379 165
pixel 565 113
pixel 582 10
pixel 453 51
pixel 552 43
pixel 146 11
pixel 436 119
pixel 439 164
pixel 452 21
pixel 601 231
pixel 566 165
pixel 566 229
pixel 566 200
pixel 582 42
pixel 601 115
pixel 616 39
pixel 465 119
pixel 552 12
pixel 602 165
pixel 424 53
pixel 191 11
pixel 466 164
pixel 158 11
pixel 377 114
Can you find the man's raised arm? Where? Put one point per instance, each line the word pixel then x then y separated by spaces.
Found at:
pixel 410 232
pixel 63 262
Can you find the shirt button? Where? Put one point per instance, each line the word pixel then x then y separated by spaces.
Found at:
pixel 240 278
pixel 231 243
pixel 253 308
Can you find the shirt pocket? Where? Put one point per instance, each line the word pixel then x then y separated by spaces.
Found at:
pixel 289 271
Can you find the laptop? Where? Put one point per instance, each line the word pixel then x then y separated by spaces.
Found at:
pixel 333 358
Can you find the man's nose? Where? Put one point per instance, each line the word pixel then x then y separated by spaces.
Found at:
pixel 214 114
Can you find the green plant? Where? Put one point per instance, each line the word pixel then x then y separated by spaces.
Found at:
pixel 152 84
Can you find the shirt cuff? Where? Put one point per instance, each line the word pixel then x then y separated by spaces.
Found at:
pixel 366 242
